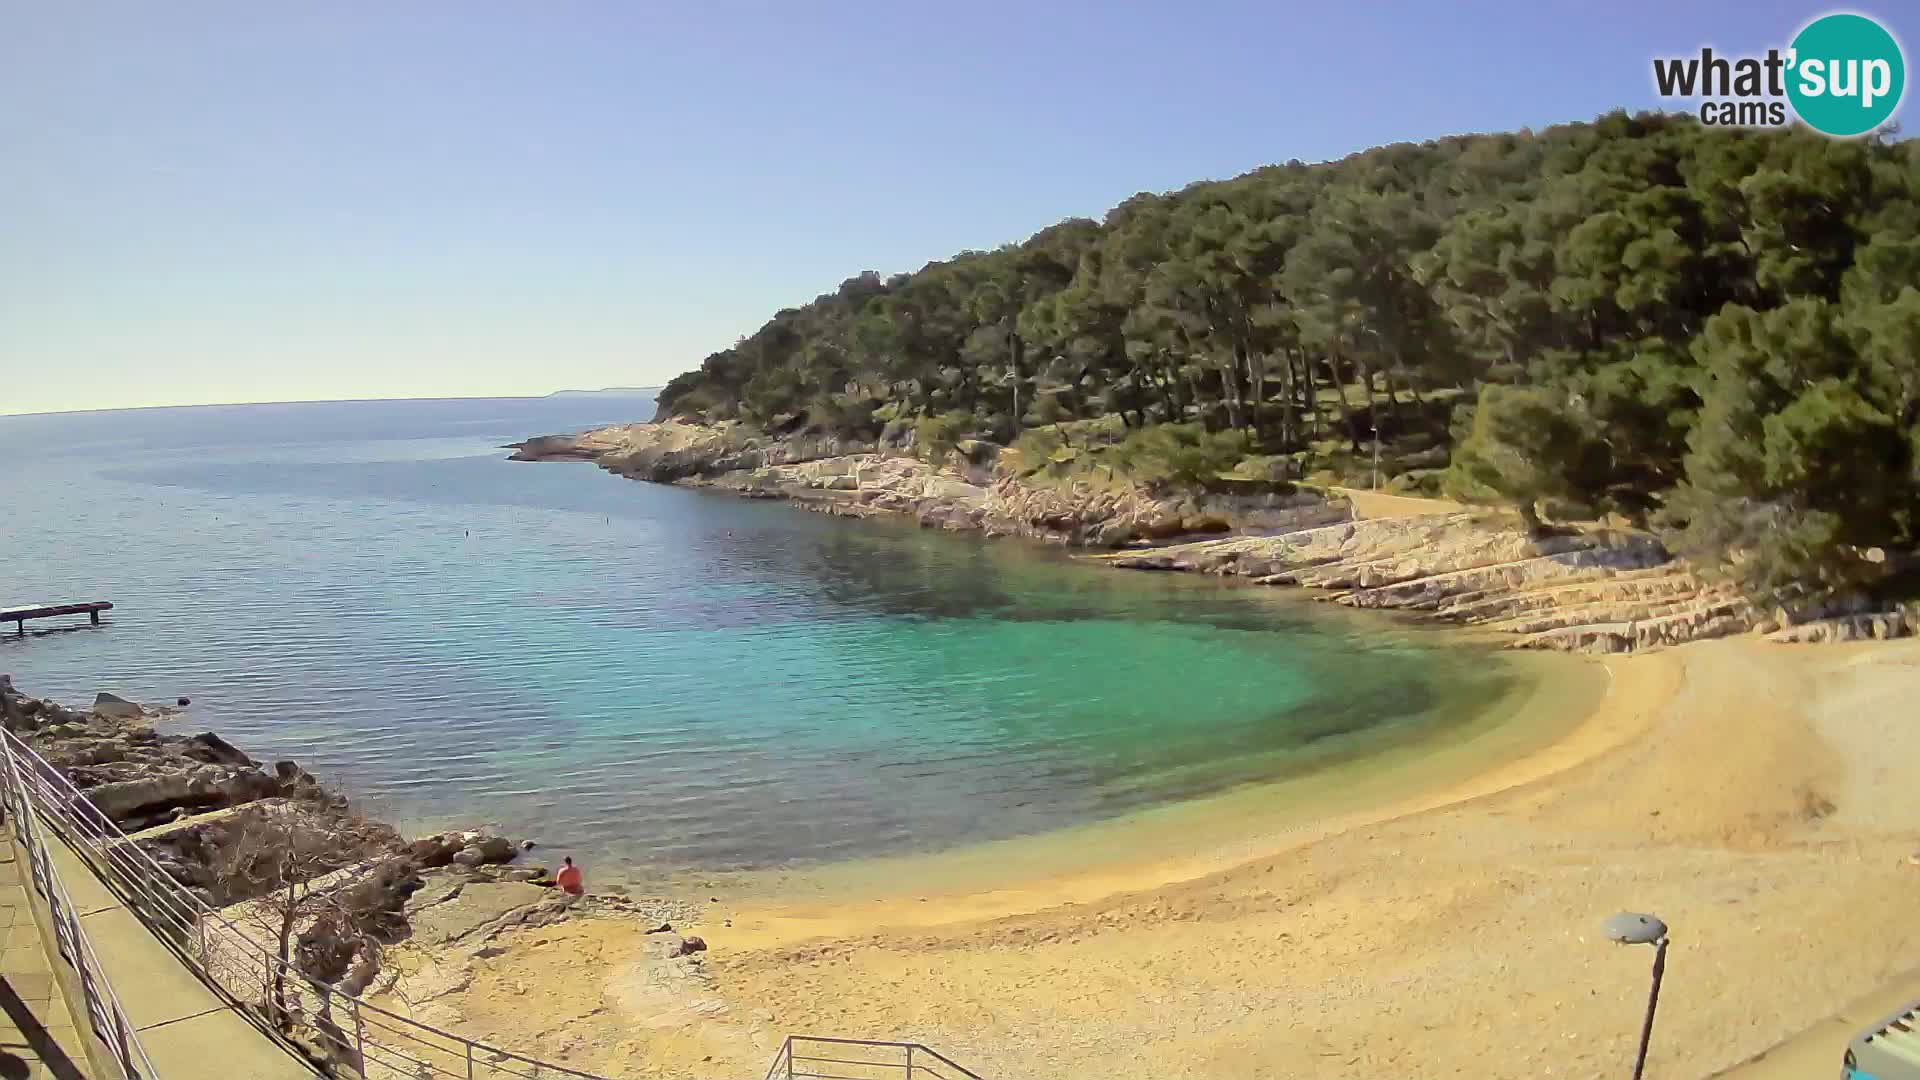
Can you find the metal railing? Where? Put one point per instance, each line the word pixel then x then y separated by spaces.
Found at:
pixel 106 1018
pixel 341 1033
pixel 345 1036
pixel 809 1057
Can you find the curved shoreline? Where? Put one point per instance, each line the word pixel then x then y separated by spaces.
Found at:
pixel 1733 787
pixel 1496 749
pixel 1739 789
pixel 1580 589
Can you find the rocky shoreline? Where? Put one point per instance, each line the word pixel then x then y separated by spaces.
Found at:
pixel 277 853
pixel 1584 588
pixel 969 490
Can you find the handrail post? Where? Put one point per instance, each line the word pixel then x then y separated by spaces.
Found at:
pixel 42 798
pixel 909 1061
pixel 120 1035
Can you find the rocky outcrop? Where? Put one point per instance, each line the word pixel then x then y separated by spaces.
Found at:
pixel 224 826
pixel 551 448
pixel 141 802
pixel 189 799
pixel 968 491
pixel 673 450
pixel 138 777
pixel 232 856
pixel 1860 626
pixel 1596 590
pixel 1584 591
pixel 461 920
pixel 376 901
pixel 467 849
pixel 235 833
pixel 114 705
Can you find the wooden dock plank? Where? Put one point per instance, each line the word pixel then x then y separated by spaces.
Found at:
pixel 19 615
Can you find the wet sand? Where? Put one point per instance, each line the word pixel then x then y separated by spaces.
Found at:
pixel 1759 797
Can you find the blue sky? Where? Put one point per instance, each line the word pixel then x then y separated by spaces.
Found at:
pixel 212 202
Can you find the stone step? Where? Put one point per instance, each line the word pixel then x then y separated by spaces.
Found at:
pixel 1669 579
pixel 1601 612
pixel 1712 619
pixel 1434 591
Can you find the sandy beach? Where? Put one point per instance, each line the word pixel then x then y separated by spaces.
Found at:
pixel 1757 796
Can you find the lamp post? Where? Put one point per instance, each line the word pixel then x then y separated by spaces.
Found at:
pixel 1632 928
pixel 1013 380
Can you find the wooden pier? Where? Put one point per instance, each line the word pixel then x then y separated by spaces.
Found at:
pixel 18 616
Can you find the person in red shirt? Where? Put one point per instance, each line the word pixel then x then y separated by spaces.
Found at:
pixel 569 878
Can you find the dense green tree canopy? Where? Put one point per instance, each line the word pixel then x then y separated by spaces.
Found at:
pixel 1712 329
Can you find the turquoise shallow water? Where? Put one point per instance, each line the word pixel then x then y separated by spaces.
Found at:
pixel 649 676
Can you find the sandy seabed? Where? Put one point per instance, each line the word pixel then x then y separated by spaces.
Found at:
pixel 1763 799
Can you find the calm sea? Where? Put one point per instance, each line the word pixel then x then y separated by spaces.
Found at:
pixel 654 678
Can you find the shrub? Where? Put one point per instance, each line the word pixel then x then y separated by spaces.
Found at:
pixel 1426 483
pixel 934 437
pixel 1179 455
pixel 1046 409
pixel 1036 447
pixel 1524 444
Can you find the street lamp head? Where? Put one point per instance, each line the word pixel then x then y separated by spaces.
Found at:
pixel 1633 928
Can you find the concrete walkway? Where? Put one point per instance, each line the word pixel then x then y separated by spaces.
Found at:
pixel 38 1038
pixel 1379 504
pixel 179 1019
pixel 1819 1050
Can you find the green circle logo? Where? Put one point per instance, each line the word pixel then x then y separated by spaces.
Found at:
pixel 1846 75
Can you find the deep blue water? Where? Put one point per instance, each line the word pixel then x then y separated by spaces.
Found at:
pixel 645 675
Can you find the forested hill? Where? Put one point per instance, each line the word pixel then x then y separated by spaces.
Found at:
pixel 1713 331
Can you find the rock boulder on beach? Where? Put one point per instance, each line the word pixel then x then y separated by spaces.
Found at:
pixel 105 704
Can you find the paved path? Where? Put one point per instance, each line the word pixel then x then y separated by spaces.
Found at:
pixel 179 1019
pixel 38 1038
pixel 1817 1051
pixel 1379 504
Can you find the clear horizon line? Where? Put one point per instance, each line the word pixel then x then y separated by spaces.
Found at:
pixel 326 401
